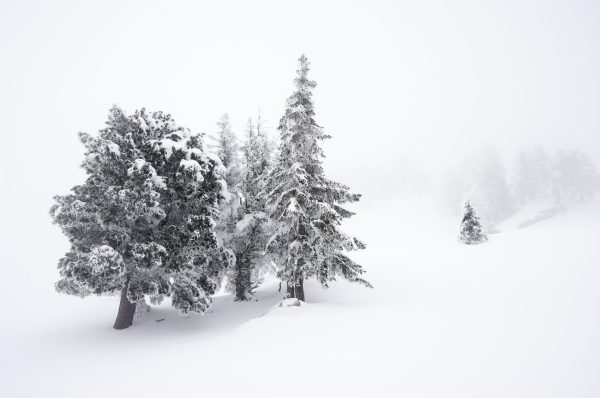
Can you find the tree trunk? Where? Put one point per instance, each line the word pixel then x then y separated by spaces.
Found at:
pixel 296 291
pixel 243 280
pixel 126 311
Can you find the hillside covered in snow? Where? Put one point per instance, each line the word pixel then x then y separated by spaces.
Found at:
pixel 517 316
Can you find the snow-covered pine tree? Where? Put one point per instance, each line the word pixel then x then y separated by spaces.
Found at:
pixel 228 151
pixel 232 210
pixel 470 228
pixel 142 222
pixel 247 240
pixel 258 159
pixel 248 236
pixel 304 204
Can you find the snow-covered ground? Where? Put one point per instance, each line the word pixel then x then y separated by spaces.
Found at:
pixel 518 316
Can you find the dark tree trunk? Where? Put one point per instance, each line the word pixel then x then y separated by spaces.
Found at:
pixel 243 280
pixel 296 291
pixel 126 311
pixel 240 293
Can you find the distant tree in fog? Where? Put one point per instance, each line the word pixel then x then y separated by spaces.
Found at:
pixel 574 176
pixel 569 174
pixel 481 179
pixel 524 186
pixel 484 185
pixel 532 175
pixel 453 191
pixel 470 228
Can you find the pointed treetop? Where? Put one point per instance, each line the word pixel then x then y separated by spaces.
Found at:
pixel 223 122
pixel 250 128
pixel 468 207
pixel 302 81
pixel 471 231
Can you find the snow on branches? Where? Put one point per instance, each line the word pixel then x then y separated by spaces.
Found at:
pixel 143 221
pixel 304 205
pixel 471 231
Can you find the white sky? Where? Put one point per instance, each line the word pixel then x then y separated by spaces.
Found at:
pixel 421 80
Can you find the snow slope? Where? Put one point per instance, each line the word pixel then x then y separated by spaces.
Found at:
pixel 518 316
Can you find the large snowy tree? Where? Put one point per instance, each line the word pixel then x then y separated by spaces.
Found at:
pixel 142 222
pixel 304 204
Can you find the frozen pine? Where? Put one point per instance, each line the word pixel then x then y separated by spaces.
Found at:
pixel 471 231
pixel 305 206
pixel 142 223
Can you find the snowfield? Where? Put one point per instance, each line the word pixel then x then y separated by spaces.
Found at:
pixel 518 316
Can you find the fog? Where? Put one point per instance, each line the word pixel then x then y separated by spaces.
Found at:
pixel 401 85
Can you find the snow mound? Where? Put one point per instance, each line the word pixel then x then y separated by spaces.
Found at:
pixel 290 302
pixel 280 307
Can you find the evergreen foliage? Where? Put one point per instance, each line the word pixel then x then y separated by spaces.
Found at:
pixel 143 221
pixel 304 205
pixel 247 224
pixel 228 151
pixel 470 228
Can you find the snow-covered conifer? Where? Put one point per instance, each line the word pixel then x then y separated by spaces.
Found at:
pixel 142 222
pixel 304 204
pixel 247 238
pixel 258 159
pixel 227 149
pixel 470 228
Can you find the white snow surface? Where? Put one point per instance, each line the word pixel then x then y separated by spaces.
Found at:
pixel 518 316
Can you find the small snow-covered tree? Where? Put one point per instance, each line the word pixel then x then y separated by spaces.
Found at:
pixel 248 237
pixel 247 240
pixel 142 222
pixel 227 149
pixel 258 159
pixel 470 228
pixel 304 204
pixel 225 146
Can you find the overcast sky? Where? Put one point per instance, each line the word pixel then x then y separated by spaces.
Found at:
pixel 420 80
